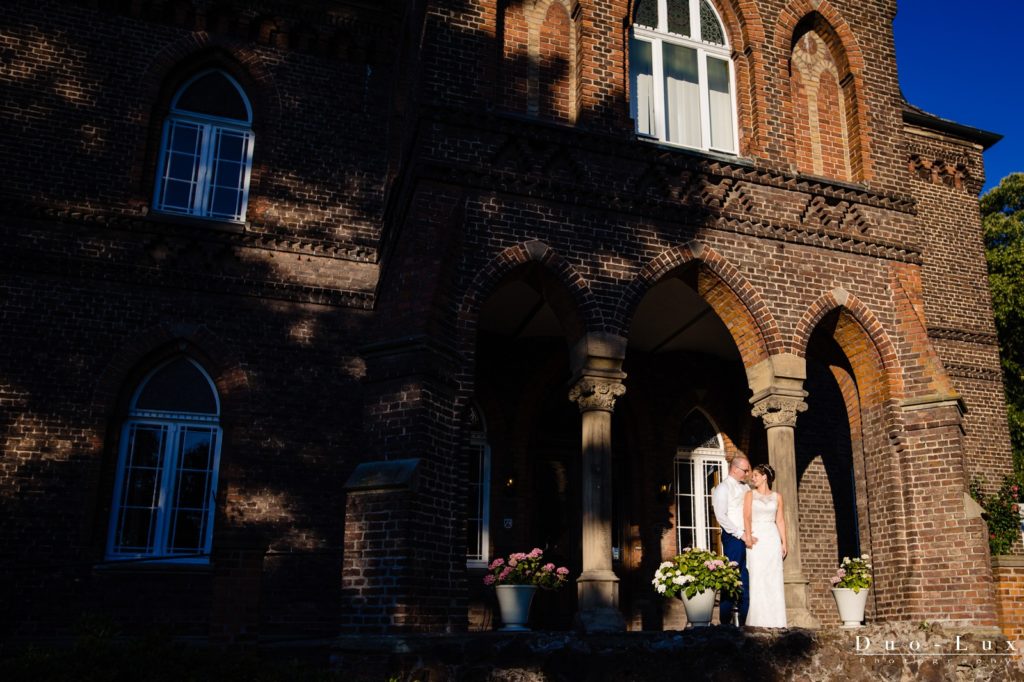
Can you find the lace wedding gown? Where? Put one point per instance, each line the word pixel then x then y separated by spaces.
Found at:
pixel 764 564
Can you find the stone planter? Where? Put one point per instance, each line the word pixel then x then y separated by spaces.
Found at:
pixel 514 603
pixel 699 608
pixel 851 605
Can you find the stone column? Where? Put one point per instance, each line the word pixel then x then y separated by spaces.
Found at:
pixel 778 412
pixel 598 586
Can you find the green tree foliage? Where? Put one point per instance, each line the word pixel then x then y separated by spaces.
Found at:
pixel 1002 211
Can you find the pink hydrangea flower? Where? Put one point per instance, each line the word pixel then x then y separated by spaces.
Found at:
pixel 549 567
pixel 489 580
pixel 562 571
pixel 536 553
pixel 497 562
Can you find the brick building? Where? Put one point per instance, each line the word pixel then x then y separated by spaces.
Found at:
pixel 311 308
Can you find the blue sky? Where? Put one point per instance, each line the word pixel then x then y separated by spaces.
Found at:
pixel 962 61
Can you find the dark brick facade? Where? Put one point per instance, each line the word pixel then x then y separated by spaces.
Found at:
pixel 416 165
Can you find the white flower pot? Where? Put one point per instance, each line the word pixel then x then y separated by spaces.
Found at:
pixel 851 605
pixel 699 608
pixel 514 602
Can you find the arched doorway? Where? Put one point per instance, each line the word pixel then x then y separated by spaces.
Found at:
pixel 685 413
pixel 526 328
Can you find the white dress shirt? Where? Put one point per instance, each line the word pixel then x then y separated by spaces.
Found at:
pixel 727 501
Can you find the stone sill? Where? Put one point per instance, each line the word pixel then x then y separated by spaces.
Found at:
pixel 1008 561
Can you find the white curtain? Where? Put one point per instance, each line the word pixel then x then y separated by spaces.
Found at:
pixel 645 122
pixel 682 100
pixel 720 103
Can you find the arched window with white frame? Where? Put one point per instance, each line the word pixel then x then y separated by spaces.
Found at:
pixel 700 465
pixel 681 75
pixel 166 483
pixel 478 503
pixel 206 150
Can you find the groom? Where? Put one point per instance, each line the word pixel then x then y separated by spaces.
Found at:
pixel 727 501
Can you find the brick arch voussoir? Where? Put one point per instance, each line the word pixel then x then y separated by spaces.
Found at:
pixel 884 350
pixel 225 369
pixel 755 332
pixel 489 277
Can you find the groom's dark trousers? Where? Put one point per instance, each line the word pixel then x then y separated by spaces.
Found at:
pixel 736 551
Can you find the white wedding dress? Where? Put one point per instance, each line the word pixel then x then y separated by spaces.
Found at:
pixel 764 566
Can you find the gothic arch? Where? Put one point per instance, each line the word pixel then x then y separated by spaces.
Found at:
pixel 488 278
pixel 798 20
pixel 872 356
pixel 169 69
pixel 139 354
pixel 733 298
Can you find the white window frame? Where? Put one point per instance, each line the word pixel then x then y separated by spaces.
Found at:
pixel 175 425
pixel 210 127
pixel 657 38
pixel 695 459
pixel 478 442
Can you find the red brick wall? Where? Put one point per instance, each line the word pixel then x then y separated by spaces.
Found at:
pixel 1008 573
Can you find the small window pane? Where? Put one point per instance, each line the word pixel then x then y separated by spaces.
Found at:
pixel 682 95
pixel 145 445
pixel 197 449
pixel 214 95
pixel 697 432
pixel 476 501
pixel 191 489
pixel 136 530
pixel 679 17
pixel 186 534
pixel 710 28
pixel 185 138
pixel 142 488
pixel 178 386
pixel 641 67
pixel 182 167
pixel 720 102
pixel 647 13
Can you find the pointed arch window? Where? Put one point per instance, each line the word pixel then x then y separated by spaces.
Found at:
pixel 166 480
pixel 700 465
pixel 478 503
pixel 206 150
pixel 681 75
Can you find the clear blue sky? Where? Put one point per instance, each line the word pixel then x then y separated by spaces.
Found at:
pixel 962 61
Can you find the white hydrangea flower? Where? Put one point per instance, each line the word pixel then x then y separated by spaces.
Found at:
pixel 666 564
pixel 661 589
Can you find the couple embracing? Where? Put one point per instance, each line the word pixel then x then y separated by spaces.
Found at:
pixel 754 536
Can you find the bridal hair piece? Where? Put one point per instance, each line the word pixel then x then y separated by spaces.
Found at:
pixel 768 470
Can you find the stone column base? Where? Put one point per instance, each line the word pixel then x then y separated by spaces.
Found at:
pixel 598 592
pixel 797 613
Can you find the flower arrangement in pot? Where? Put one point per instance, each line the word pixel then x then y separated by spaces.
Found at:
pixel 695 576
pixel 850 587
pixel 516 580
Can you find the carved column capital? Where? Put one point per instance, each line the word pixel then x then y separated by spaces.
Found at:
pixel 592 393
pixel 778 410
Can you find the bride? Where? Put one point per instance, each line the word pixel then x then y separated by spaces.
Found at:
pixel 764 533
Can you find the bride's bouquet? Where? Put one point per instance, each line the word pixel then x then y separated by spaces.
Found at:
pixel 697 570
